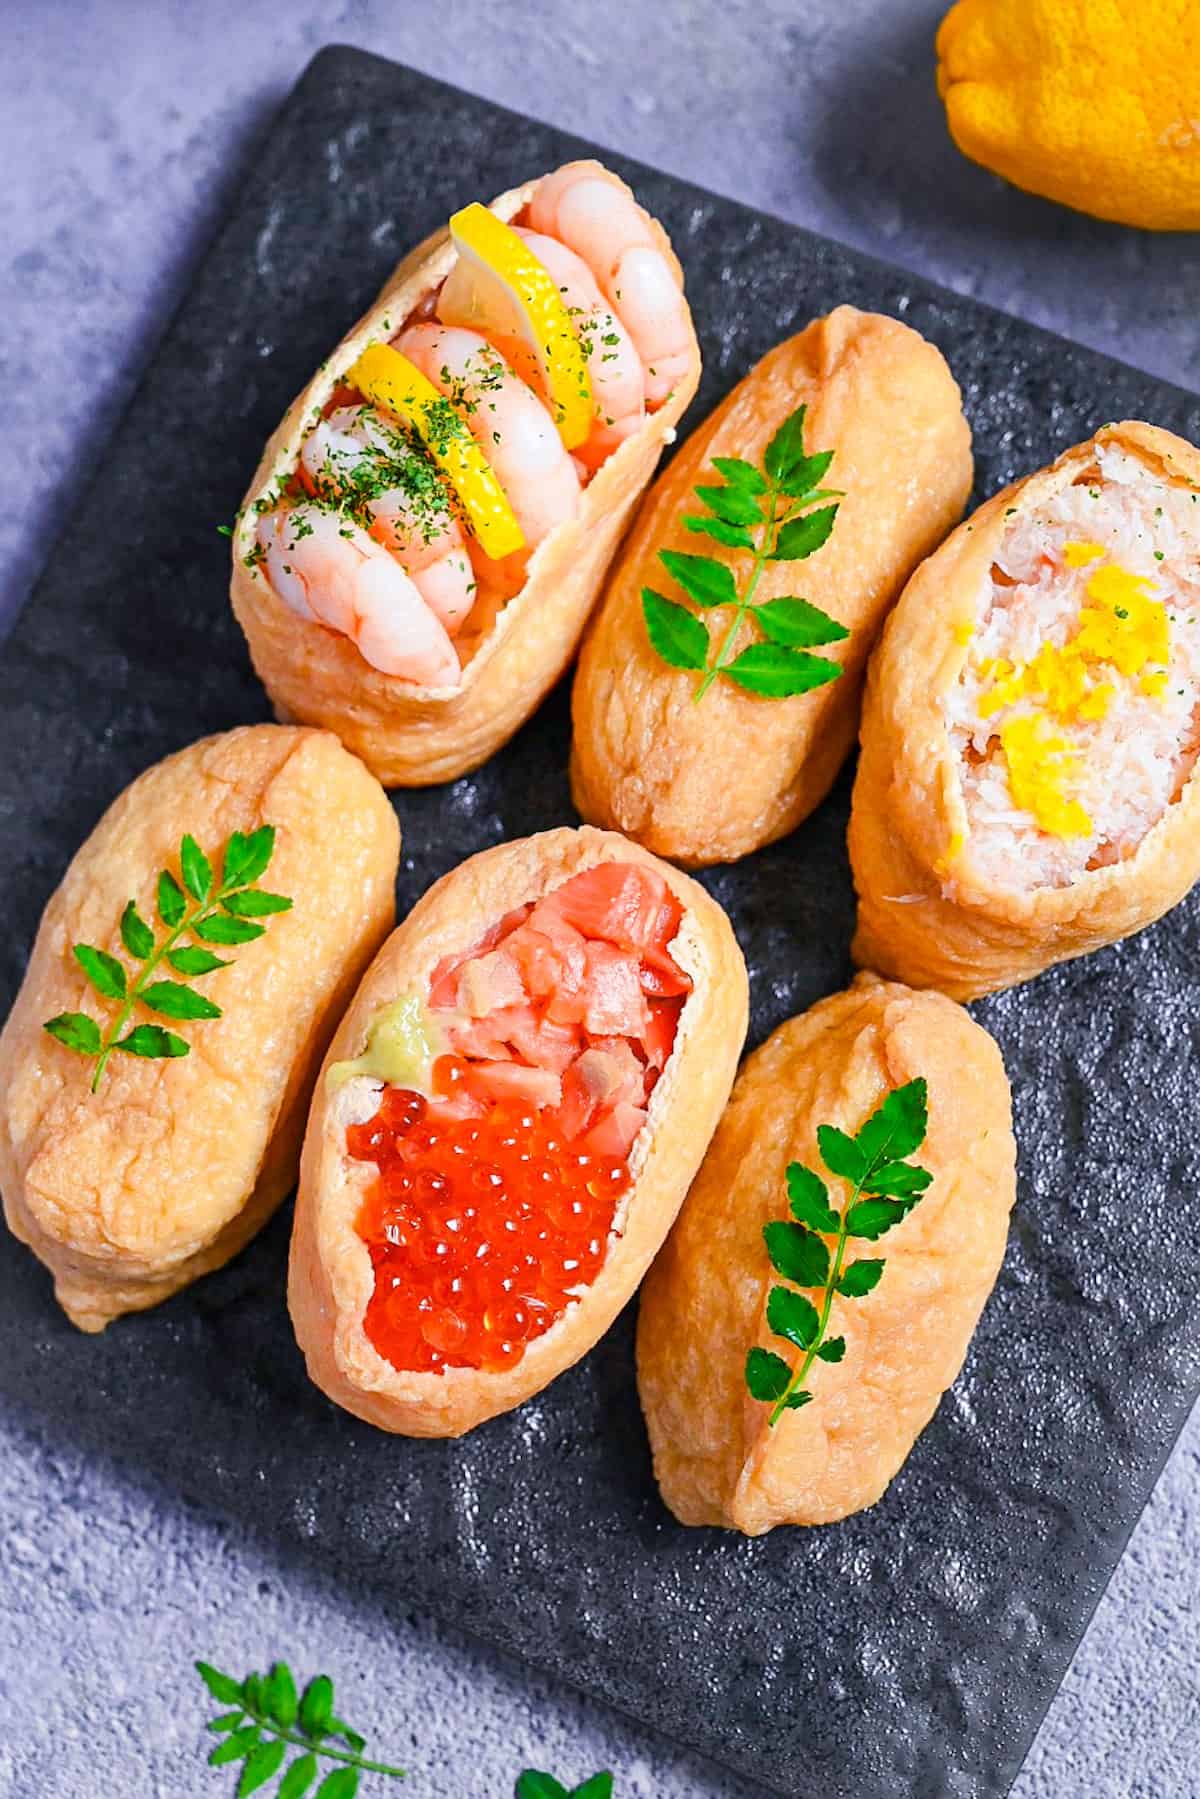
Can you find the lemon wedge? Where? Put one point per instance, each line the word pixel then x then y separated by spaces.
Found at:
pixel 389 380
pixel 499 287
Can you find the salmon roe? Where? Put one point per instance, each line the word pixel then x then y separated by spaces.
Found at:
pixel 480 1230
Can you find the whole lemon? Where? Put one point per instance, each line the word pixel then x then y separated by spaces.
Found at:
pixel 1092 102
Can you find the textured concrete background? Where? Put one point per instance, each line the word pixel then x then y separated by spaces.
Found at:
pixel 124 132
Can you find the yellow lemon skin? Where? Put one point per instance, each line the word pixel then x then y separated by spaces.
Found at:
pixel 389 380
pixel 1095 103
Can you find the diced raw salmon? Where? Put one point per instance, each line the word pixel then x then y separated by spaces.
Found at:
pixel 486 983
pixel 513 1081
pixel 658 1039
pixel 616 1006
pixel 546 1044
pixel 621 903
pixel 571 1003
pixel 620 1068
pixel 615 1133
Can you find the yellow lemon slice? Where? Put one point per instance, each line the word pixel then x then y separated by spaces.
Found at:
pixel 389 380
pixel 499 287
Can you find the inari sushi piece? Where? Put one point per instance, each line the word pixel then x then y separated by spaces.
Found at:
pixel 508 1120
pixel 896 1337
pixel 211 930
pixel 429 527
pixel 706 771
pixel 1026 788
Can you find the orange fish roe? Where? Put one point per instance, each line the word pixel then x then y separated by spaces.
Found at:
pixel 480 1230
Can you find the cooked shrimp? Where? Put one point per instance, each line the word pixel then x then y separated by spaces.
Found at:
pixel 512 427
pixel 356 456
pixel 587 208
pixel 327 569
pixel 614 366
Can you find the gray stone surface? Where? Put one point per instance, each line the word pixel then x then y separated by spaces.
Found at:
pixel 127 132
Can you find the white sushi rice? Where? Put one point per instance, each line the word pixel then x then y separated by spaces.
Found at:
pixel 1133 762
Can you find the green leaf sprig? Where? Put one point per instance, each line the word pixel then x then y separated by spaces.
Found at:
pixel 767 511
pixel 266 1717
pixel 533 1785
pixel 224 912
pixel 884 1188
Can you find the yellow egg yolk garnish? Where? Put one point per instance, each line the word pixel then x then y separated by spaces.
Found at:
pixel 394 384
pixel 1123 627
pixel 1041 768
pixel 1122 622
pixel 502 288
pixel 1078 555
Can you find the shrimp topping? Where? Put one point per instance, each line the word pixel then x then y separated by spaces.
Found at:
pixel 328 570
pixel 512 427
pixel 445 457
pixel 371 469
pixel 593 213
pixel 614 367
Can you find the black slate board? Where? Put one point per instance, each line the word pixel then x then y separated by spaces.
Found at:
pixel 914 1649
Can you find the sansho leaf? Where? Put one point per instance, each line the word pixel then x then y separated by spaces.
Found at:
pixel 833 1349
pixel 860 1278
pixel 152 1043
pixel 236 1747
pixel 841 1154
pixel 222 1686
pixel 221 928
pixel 798 623
pixel 171 903
pixel 190 960
pixel 226 1721
pixel 732 505
pixel 172 1000
pixel 533 1784
pixel 702 578
pixel 677 634
pixel 341 1784
pixel 899 1126
pixel 872 1218
pixel 196 869
pixel 600 1786
pixel 808 1197
pixel 316 1706
pixel 338 1728
pixel 253 902
pixel 136 934
pixel 898 1180
pixel 262 1765
pixel 797 1253
pixel 786 448
pixel 801 537
pixel 104 972
pixel 767 1374
pixel 247 858
pixel 776 672
pixel 279 1695
pixel 804 473
pixel 793 1317
pixel 740 473
pixel 76 1031
pixel 734 537
pixel 299 1777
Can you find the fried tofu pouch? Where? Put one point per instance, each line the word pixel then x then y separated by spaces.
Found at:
pixel 331 1277
pixel 703 1305
pixel 407 735
pixel 710 782
pixel 130 1193
pixel 928 913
